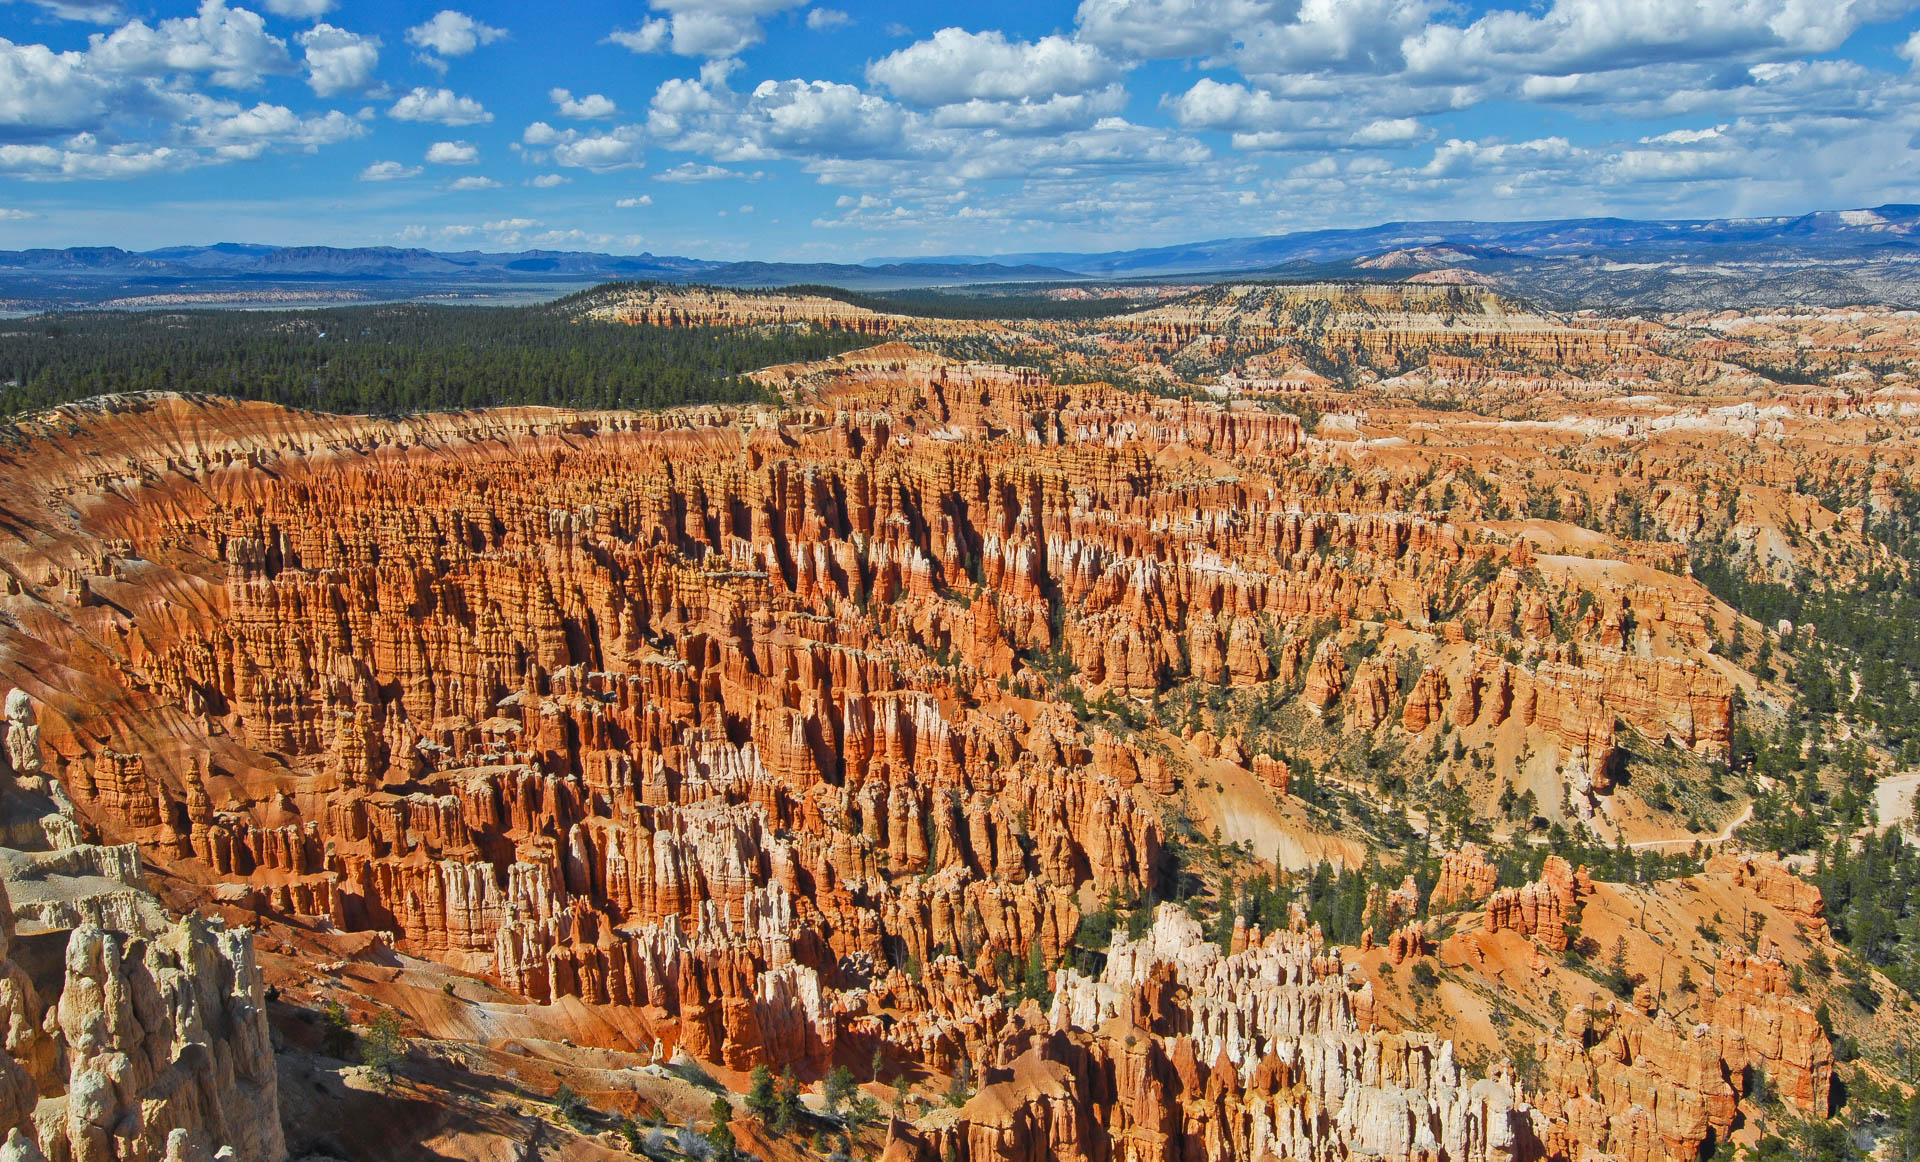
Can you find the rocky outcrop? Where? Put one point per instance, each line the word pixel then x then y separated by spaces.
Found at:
pixel 1639 1084
pixel 1326 676
pixel 22 734
pixel 1466 878
pixel 1761 1022
pixel 155 1042
pixel 1426 702
pixel 1774 882
pixel 1370 694
pixel 1176 1050
pixel 167 1048
pixel 1543 908
pixel 1273 772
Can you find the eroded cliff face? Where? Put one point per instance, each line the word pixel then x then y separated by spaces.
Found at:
pixel 1177 1051
pixel 137 1037
pixel 755 725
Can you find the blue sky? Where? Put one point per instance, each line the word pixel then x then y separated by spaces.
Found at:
pixel 836 130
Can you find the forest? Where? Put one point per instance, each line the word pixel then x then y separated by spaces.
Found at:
pixel 395 359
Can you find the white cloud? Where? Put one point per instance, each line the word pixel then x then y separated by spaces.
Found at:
pixel 338 61
pixel 1261 120
pixel 82 156
pixel 230 45
pixel 299 9
pixel 1457 157
pixel 633 203
pixel 587 108
pixel 1911 49
pixel 823 19
pixel 956 65
pixel 439 106
pixel 473 183
pixel 600 150
pixel 248 133
pixel 653 36
pixel 452 153
pixel 1364 36
pixel 715 29
pixel 1603 35
pixel 8 215
pixel 130 106
pixel 1685 136
pixel 1641 166
pixel 547 181
pixel 1165 29
pixel 451 34
pixel 43 90
pixel 389 171
pixel 1212 104
pixel 1067 111
pixel 1390 131
pixel 690 172
pixel 778 119
pixel 102 12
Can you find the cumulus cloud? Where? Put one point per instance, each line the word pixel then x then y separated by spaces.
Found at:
pixel 248 133
pixel 46 91
pixel 590 107
pixel 440 107
pixel 633 203
pixel 689 172
pixel 600 150
pixel 1586 35
pixel 792 118
pixel 1390 131
pixel 955 65
pixel 1167 29
pixel 453 153
pixel 1457 157
pixel 83 156
pixel 100 12
pixel 128 104
pixel 824 19
pixel 299 9
pixel 1212 104
pixel 389 171
pixel 473 183
pixel 1065 111
pixel 338 61
pixel 547 181
pixel 230 45
pixel 714 29
pixel 653 36
pixel 451 34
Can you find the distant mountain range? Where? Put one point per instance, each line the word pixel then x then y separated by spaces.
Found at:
pixel 1827 233
pixel 1829 256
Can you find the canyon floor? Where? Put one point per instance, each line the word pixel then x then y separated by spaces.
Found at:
pixel 1294 722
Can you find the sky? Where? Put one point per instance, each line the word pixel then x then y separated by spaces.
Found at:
pixel 835 130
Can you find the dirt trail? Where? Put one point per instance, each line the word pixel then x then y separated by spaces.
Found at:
pixel 1726 833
